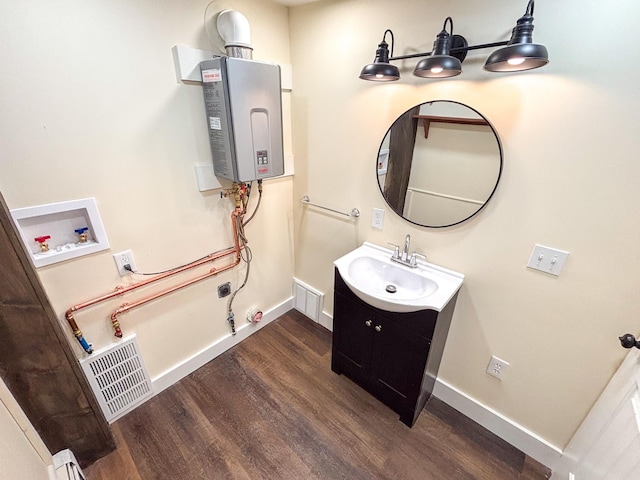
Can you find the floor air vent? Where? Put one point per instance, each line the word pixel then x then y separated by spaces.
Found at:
pixel 118 377
pixel 308 300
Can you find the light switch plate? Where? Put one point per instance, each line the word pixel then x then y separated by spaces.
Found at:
pixel 548 260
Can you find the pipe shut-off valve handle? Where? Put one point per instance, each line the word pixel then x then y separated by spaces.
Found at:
pixel 629 341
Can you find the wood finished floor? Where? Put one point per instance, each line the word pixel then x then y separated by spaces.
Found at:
pixel 271 408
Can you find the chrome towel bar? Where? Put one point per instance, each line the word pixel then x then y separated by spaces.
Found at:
pixel 354 212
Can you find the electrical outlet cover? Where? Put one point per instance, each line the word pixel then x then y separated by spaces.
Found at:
pixel 497 368
pixel 377 219
pixel 122 259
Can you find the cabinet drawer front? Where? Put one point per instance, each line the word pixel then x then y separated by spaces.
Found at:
pixel 422 323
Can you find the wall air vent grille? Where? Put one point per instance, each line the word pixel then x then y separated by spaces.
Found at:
pixel 118 377
pixel 308 300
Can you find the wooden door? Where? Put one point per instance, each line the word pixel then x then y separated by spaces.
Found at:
pixel 38 365
pixel 607 444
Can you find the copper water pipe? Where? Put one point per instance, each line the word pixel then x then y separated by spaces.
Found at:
pixel 120 290
pixel 125 307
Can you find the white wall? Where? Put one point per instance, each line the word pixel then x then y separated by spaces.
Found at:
pixel 570 181
pixel 22 453
pixel 92 108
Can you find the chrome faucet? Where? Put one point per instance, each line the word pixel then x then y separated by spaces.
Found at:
pixel 405 252
pixel 405 258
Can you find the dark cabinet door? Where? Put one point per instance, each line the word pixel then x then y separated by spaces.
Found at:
pixel 398 361
pixel 352 338
pixel 380 353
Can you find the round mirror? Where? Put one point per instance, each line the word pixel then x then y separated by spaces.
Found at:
pixel 439 163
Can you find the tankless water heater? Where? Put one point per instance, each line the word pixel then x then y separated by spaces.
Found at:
pixel 244 117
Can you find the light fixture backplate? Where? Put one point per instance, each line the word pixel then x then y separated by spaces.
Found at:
pixel 458 41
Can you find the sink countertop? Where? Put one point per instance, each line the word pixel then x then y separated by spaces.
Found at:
pixel 429 286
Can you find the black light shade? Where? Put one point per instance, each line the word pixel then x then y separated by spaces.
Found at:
pixel 440 64
pixel 381 70
pixel 520 53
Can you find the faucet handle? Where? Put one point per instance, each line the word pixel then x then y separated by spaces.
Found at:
pixel 396 251
pixel 414 262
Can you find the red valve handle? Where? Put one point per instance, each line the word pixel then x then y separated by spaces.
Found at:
pixel 42 239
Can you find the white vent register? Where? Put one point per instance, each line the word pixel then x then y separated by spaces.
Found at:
pixel 308 300
pixel 119 378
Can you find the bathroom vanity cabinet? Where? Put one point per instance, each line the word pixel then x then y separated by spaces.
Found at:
pixel 394 356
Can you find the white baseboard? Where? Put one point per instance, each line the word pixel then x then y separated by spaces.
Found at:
pixel 505 428
pixel 191 364
pixel 326 321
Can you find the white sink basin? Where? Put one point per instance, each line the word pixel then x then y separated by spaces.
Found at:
pixel 371 275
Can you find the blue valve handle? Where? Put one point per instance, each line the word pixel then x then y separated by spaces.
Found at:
pixel 80 231
pixel 86 345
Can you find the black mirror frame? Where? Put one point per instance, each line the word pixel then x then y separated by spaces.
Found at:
pixel 495 133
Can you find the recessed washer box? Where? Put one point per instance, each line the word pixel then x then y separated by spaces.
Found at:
pixel 59 222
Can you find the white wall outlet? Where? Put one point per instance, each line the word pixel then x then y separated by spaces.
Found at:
pixel 122 259
pixel 377 219
pixel 548 260
pixel 497 368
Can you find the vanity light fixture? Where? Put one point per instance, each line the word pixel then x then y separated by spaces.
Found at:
pixel 449 51
pixel 381 70
pixel 441 64
pixel 520 53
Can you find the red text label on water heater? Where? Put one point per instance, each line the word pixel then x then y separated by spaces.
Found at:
pixel 213 75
